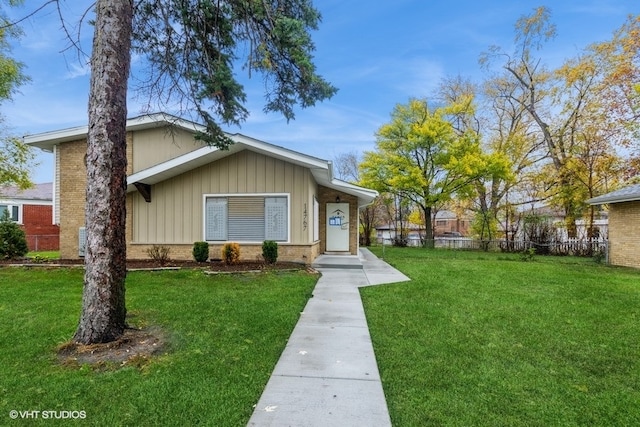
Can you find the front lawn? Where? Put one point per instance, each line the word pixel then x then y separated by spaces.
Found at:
pixel 480 339
pixel 225 335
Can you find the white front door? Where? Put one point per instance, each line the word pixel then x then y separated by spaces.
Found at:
pixel 337 227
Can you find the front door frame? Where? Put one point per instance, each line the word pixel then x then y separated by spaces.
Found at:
pixel 338 230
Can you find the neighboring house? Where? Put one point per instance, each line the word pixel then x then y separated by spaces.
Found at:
pixel 32 209
pixel 557 219
pixel 624 224
pixel 386 234
pixel 180 192
pixel 447 223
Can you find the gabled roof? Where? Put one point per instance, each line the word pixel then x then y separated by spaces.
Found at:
pixel 322 170
pixel 630 193
pixel 42 192
pixel 47 140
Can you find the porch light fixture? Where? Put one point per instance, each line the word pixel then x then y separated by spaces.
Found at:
pixel 337 199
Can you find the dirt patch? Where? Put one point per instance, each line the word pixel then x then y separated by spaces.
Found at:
pixel 135 348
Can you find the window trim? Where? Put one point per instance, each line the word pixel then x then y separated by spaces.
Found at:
pixel 229 195
pixel 10 206
pixel 316 220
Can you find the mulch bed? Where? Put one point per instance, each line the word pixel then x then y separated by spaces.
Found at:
pixel 149 264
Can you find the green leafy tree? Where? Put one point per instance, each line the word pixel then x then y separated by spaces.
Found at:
pixel 505 146
pixel 420 156
pixel 16 160
pixel 15 157
pixel 13 242
pixel 193 46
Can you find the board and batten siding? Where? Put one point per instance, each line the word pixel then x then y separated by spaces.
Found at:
pixel 157 145
pixel 175 214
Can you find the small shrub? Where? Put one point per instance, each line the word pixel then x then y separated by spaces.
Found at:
pixel 231 253
pixel 159 254
pixel 39 259
pixel 270 251
pixel 201 251
pixel 527 254
pixel 13 241
pixel 600 256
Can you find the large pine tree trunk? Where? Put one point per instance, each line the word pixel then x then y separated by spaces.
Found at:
pixel 103 301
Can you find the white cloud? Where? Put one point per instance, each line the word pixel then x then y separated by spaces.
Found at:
pixel 419 77
pixel 78 70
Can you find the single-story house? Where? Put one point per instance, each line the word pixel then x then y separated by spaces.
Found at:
pixel 624 224
pixel 387 233
pixel 181 191
pixel 33 210
pixel 445 224
pixel 557 218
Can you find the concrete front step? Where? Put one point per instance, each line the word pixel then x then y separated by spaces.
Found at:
pixel 337 261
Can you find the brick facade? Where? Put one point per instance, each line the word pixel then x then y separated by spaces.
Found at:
pixel 624 234
pixel 328 195
pixel 303 254
pixel 73 183
pixel 42 234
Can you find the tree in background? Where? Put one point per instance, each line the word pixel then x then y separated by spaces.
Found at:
pixel 15 157
pixel 422 158
pixel 602 84
pixel 347 169
pixel 191 48
pixel 16 161
pixel 503 145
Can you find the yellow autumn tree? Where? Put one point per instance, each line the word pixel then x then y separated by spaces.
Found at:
pixel 421 157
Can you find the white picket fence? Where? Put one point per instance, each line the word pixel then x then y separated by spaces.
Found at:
pixel 575 247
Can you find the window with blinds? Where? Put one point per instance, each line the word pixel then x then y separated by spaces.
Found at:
pixel 246 218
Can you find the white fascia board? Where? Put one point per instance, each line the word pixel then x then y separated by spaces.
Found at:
pixel 365 196
pixel 18 202
pixel 606 201
pixel 280 152
pixel 207 154
pixel 47 140
pixel 629 193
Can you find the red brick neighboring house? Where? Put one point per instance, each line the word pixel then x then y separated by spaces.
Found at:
pixel 33 210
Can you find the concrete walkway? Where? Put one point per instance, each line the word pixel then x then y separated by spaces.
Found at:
pixel 327 375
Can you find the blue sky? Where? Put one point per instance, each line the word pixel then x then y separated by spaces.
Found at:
pixel 378 54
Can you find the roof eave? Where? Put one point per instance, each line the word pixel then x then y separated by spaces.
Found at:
pixel 606 201
pixel 47 140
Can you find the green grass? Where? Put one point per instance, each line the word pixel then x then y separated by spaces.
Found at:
pixel 481 339
pixel 44 254
pixel 225 335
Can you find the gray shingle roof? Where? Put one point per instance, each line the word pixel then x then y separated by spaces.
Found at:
pixel 37 192
pixel 630 193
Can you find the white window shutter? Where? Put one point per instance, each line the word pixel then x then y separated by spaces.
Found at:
pixel 216 219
